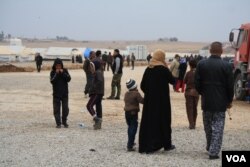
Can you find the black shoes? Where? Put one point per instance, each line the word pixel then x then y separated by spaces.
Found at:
pixel 212 157
pixel 58 126
pixel 130 149
pixel 172 147
pixel 65 125
pixel 110 98
pixel 113 98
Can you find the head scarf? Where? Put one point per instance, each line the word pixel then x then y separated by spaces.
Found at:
pixel 158 59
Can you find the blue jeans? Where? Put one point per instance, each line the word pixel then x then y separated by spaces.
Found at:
pixel 132 122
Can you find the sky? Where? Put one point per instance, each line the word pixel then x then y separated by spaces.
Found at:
pixel 188 20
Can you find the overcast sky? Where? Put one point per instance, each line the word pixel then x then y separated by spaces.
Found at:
pixel 188 20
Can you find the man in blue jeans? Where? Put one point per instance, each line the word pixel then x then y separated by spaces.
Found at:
pixel 214 81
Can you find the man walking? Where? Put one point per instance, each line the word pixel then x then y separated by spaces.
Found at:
pixel 109 61
pixel 39 62
pixel 104 59
pixel 214 81
pixel 133 61
pixel 117 75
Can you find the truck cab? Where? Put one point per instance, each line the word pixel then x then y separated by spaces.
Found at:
pixel 241 59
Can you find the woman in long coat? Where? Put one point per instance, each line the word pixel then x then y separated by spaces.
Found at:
pixel 155 129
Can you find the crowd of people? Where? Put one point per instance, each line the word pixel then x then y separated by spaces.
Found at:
pixel 211 78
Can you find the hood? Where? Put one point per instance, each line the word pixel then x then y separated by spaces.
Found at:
pixel 57 61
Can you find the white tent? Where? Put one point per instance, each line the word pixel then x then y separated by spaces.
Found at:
pixel 58 52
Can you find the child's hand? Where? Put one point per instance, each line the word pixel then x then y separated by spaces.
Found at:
pixel 57 71
pixel 61 70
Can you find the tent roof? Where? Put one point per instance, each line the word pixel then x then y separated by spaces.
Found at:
pixel 59 51
pixel 5 50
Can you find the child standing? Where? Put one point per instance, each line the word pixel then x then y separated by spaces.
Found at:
pixel 96 93
pixel 59 78
pixel 132 99
pixel 191 95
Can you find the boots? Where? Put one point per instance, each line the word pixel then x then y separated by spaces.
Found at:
pixel 98 123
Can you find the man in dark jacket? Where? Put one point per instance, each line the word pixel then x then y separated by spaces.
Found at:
pixel 214 81
pixel 133 61
pixel 109 61
pixel 104 59
pixel 59 78
pixel 117 67
pixel 39 61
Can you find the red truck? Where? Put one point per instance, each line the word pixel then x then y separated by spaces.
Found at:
pixel 241 60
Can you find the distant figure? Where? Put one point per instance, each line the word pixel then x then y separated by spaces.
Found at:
pixel 109 61
pixel 133 61
pixel 73 59
pixel 128 60
pixel 174 69
pixel 104 60
pixel 98 58
pixel 149 57
pixel 96 93
pixel 155 129
pixel 182 72
pixel 39 61
pixel 117 67
pixel 132 99
pixel 79 59
pixel 88 68
pixel 191 95
pixel 59 78
pixel 214 82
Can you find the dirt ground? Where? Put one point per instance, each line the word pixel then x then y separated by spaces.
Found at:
pixel 28 136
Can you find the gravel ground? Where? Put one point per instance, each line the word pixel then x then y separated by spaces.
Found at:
pixel 29 138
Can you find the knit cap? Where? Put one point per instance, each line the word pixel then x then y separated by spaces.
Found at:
pixel 131 84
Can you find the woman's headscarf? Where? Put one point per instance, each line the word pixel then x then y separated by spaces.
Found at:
pixel 158 59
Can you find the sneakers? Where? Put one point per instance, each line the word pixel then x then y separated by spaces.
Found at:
pixel 117 98
pixel 172 147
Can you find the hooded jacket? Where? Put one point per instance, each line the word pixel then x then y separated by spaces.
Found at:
pixel 59 80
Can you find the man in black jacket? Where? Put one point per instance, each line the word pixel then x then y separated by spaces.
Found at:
pixel 117 67
pixel 39 61
pixel 214 81
pixel 59 78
